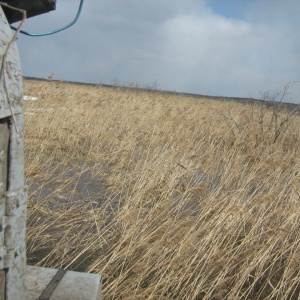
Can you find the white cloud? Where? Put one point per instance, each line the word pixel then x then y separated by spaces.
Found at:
pixel 208 45
pixel 230 57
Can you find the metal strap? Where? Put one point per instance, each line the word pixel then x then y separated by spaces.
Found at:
pixel 50 288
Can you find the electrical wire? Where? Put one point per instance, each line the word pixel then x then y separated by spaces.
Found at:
pixel 56 30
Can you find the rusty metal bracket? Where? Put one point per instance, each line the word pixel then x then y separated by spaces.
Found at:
pixel 50 288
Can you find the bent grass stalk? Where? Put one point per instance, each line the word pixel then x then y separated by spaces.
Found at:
pixel 192 198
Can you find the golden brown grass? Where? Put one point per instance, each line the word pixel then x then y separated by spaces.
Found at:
pixel 196 200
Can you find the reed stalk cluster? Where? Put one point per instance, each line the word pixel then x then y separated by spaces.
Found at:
pixel 184 198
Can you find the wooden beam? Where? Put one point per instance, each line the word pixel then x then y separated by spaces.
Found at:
pixel 32 7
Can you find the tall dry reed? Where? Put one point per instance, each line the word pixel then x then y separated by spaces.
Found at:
pixel 185 198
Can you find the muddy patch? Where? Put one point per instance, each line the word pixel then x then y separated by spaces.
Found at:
pixel 66 185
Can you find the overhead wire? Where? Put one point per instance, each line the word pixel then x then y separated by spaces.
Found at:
pixel 56 30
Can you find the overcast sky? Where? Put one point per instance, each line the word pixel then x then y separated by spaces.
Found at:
pixel 237 48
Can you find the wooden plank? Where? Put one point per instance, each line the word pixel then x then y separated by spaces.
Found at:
pixel 2 284
pixel 73 286
pixel 4 144
pixel 15 233
pixel 4 141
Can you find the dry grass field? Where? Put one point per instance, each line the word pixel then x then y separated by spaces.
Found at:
pixel 166 196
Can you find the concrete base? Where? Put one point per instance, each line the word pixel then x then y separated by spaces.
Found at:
pixel 73 286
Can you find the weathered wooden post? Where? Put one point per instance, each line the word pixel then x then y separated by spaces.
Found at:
pixel 17 280
pixel 12 186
